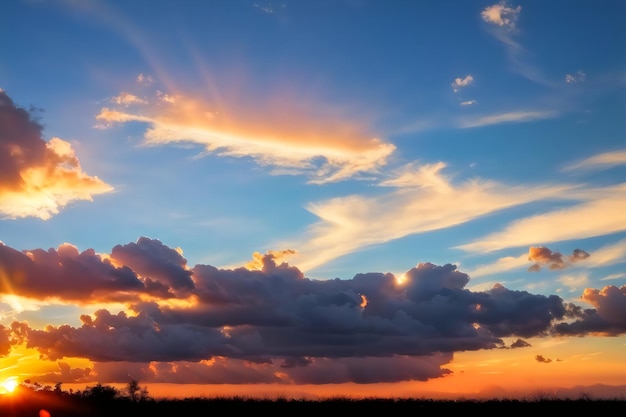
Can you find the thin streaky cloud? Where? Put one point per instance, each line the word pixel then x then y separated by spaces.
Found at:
pixel 603 160
pixel 504 264
pixel 425 200
pixel 469 103
pixel 306 142
pixel 576 222
pixel 509 117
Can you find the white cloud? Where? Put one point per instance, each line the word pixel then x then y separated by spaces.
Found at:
pixel 575 78
pixel 501 14
pixel 603 160
pixel 426 201
pixel 574 282
pixel 469 103
pixel 608 255
pixel 509 117
pixel 577 222
pixel 504 264
pixel 459 82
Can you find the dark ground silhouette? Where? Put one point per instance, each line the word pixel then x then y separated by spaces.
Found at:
pixel 103 400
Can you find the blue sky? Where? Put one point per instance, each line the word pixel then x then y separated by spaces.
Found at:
pixel 344 136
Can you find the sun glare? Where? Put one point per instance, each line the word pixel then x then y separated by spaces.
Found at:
pixel 8 385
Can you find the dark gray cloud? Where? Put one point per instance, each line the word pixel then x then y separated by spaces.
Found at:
pixel 279 324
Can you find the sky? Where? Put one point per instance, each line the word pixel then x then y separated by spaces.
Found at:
pixel 346 197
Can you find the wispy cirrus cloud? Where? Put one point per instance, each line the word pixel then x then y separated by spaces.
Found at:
pixel 284 135
pixel 38 177
pixel 600 161
pixel 508 117
pixel 502 19
pixel 575 222
pixel 421 202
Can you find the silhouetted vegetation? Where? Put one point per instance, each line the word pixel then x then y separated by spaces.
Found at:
pixel 104 400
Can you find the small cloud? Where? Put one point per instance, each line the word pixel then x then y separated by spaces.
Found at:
pixel 540 358
pixel 469 103
pixel 543 256
pixel 145 79
pixel 519 343
pixel 578 77
pixel 127 99
pixel 501 14
pixel 459 82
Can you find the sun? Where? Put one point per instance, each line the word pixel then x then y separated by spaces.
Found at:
pixel 8 385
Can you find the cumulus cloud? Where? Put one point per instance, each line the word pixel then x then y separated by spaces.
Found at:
pixel 272 324
pixel 37 177
pixel 542 256
pixel 459 82
pixel 285 135
pixel 272 317
pixel 501 14
pixel 607 318
pixel 127 99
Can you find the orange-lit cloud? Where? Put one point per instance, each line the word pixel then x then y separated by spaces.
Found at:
pixel 542 255
pixel 38 177
pixel 501 14
pixel 282 133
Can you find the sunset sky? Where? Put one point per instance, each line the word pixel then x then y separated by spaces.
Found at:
pixel 331 197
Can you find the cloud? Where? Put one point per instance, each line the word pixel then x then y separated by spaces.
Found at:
pixel 501 14
pixel 37 177
pixel 508 117
pixel 502 20
pixel 469 103
pixel 459 83
pixel 519 343
pixel 540 358
pixel 303 140
pixel 578 77
pixel 576 222
pixel 608 317
pixel 272 324
pixel 145 79
pixel 127 99
pixel 419 203
pixel 504 264
pixel 600 161
pixel 542 255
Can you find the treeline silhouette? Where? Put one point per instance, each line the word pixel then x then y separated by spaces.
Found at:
pixel 36 400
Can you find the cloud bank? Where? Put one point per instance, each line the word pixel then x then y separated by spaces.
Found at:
pixel 272 324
